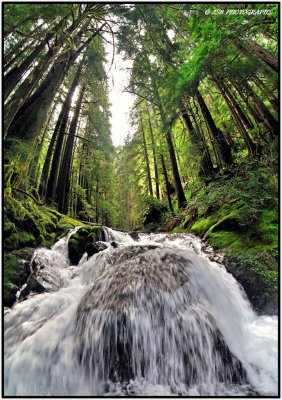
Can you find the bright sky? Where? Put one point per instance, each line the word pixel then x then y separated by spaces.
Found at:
pixel 121 102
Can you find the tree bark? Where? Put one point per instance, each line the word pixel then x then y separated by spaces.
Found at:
pixel 166 184
pixel 206 162
pixel 263 111
pixel 16 54
pixel 31 116
pixel 257 118
pixel 270 96
pixel 34 165
pixel 263 54
pixel 64 182
pixel 238 116
pixel 154 154
pixel 13 77
pixel 181 200
pixel 58 138
pixel 146 158
pixel 26 88
pixel 224 150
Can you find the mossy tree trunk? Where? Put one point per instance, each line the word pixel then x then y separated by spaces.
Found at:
pixel 146 158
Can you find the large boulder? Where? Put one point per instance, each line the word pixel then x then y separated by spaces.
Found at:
pixel 84 241
pixel 147 313
pixel 94 248
pixel 256 273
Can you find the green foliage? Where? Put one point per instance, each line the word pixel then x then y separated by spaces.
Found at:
pixel 11 270
pixel 257 272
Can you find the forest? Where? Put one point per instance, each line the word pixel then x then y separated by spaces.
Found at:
pixel 148 268
pixel 203 155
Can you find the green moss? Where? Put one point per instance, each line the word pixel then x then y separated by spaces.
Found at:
pixel 226 240
pixel 65 224
pixel 48 240
pixel 201 226
pixel 9 227
pixel 257 274
pixel 78 241
pixel 11 270
pixel 226 222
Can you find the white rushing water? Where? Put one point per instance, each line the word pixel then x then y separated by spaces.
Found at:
pixel 152 317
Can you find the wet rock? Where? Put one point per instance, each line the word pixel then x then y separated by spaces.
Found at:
pixel 86 237
pixel 11 297
pixel 24 274
pixel 259 285
pixel 149 287
pixel 94 248
pixel 134 236
pixel 32 286
pixel 114 244
pixel 76 247
pixel 154 215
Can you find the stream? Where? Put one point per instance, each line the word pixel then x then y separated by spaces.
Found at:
pixel 147 317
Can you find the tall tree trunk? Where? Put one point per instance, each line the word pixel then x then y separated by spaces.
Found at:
pixel 206 162
pixel 176 177
pixel 27 86
pixel 31 116
pixel 263 111
pixel 252 47
pixel 34 165
pixel 15 54
pixel 58 138
pixel 12 54
pixel 257 118
pixel 13 77
pixel 271 97
pixel 238 116
pixel 224 150
pixel 166 183
pixel 154 154
pixel 229 96
pixel 64 185
pixel 97 199
pixel 146 158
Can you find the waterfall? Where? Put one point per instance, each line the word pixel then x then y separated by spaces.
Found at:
pixel 150 316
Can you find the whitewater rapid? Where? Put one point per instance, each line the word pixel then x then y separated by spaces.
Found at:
pixel 152 317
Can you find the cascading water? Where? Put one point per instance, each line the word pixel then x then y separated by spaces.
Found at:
pixel 151 317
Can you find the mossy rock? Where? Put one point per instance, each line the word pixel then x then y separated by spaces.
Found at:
pixel 49 239
pixel 9 228
pixel 20 239
pixel 85 236
pixel 226 223
pixel 201 227
pixel 258 276
pixel 94 248
pixel 187 221
pixel 65 224
pixel 76 247
pixel 12 268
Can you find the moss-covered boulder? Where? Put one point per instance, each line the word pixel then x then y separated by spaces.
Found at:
pixel 84 241
pixel 258 276
pixel 27 225
pixel 238 217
